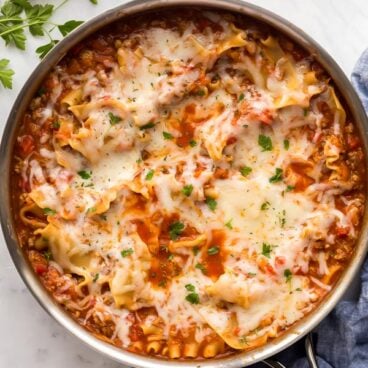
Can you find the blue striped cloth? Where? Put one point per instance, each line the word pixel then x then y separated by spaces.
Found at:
pixel 342 337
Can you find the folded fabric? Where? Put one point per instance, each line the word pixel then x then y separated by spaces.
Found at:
pixel 342 337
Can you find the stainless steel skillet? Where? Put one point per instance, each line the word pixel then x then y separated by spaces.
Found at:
pixel 7 219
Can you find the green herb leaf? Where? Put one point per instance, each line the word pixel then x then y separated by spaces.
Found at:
pixel 48 255
pixel 252 274
pixel 195 250
pixel 150 174
pixel 241 97
pixel 11 9
pixel 245 171
pixel 49 212
pixel 175 230
pixel 167 135
pixel 69 26
pixel 85 174
pixel 43 50
pixel 211 203
pixel 162 283
pixel 192 298
pixel 187 190
pixel 93 2
pixel 56 124
pixel 266 250
pixel 277 177
pixel 213 250
pixel 288 275
pixel 201 267
pixel 265 206
pixel 114 119
pixel 305 112
pixel 6 74
pixel 192 143
pixel 127 252
pixel 265 142
pixel 289 188
pixel 96 277
pixel 190 287
pixel 147 126
pixel 229 224
pixel 286 144
pixel 37 16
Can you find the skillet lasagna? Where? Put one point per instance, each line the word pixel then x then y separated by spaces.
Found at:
pixel 188 184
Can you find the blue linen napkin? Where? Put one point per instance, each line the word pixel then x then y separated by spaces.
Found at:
pixel 342 337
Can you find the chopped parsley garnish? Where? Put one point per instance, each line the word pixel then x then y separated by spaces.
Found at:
pixel 190 287
pixel 49 212
pixel 195 250
pixel 229 224
pixel 265 206
pixel 56 124
pixel 192 143
pixel 277 177
pixel 187 190
pixel 162 283
pixel 305 112
pixel 147 126
pixel 288 275
pixel 266 250
pixel 96 277
pixel 265 142
pixel 170 257
pixel 167 135
pixel 48 255
pixel 241 97
pixel 211 203
pixel 192 298
pixel 126 252
pixel 150 174
pixel 85 174
pixel 289 188
pixel 251 274
pixel 91 209
pixel 201 267
pixel 201 92
pixel 175 229
pixel 243 340
pixel 103 217
pixel 282 218
pixel 213 250
pixel 245 171
pixel 114 119
pixel 298 289
pixel 286 144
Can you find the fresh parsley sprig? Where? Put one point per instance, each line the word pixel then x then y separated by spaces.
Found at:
pixel 18 15
pixel 6 74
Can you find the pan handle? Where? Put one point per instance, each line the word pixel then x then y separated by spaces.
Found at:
pixel 309 350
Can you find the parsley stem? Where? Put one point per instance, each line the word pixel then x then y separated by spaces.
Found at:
pixel 11 30
pixel 61 4
pixel 48 34
pixel 4 20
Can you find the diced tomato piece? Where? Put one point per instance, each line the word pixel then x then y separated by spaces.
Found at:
pixel 342 231
pixel 26 144
pixel 231 140
pixel 40 268
pixel 279 261
pixel 353 141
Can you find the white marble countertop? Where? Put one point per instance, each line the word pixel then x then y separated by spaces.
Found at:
pixel 28 336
